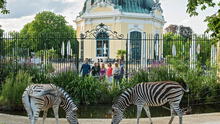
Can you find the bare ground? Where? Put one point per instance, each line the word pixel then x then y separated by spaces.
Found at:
pixel 211 118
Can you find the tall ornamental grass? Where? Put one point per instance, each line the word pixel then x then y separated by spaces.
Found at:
pixel 13 89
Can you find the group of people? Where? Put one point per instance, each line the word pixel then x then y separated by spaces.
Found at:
pixel 100 71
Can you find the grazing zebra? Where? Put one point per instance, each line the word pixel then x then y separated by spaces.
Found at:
pixel 148 94
pixel 41 97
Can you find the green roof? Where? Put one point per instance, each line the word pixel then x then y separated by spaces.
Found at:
pixel 133 6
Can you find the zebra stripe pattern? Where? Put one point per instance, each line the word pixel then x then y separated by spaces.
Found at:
pixel 41 97
pixel 148 94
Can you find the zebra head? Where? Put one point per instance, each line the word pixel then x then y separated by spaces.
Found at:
pixel 71 116
pixel 117 115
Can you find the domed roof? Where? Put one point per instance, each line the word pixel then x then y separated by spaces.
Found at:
pixel 133 6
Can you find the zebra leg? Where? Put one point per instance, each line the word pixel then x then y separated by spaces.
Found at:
pixel 172 115
pixel 36 111
pixel 139 109
pixel 178 111
pixel 27 104
pixel 45 115
pixel 147 110
pixel 56 113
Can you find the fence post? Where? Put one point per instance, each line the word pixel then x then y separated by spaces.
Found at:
pixel 193 52
pixel 77 56
pixel 218 61
pixel 126 64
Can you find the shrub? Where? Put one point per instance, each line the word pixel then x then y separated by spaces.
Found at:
pixel 84 90
pixel 14 87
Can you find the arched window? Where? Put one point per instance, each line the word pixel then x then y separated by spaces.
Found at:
pixel 135 46
pixel 102 45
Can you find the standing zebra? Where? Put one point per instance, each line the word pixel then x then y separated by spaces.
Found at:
pixel 150 94
pixel 41 97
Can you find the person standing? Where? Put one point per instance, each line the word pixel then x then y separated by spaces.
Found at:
pixel 102 71
pixel 109 73
pixel 95 70
pixel 116 74
pixel 122 71
pixel 85 69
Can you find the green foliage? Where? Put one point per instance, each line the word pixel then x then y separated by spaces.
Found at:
pixel 213 20
pixel 13 88
pixel 46 31
pixel 193 4
pixel 121 54
pixel 3 9
pixel 214 25
pixel 85 90
pixel 183 48
pixel 48 54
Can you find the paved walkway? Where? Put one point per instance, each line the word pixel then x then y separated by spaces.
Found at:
pixel 211 118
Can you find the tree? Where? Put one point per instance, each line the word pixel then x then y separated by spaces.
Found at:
pixel 121 54
pixel 3 9
pixel 172 28
pixel 184 31
pixel 213 20
pixel 46 31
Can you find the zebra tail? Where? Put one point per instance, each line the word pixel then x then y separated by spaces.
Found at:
pixel 185 86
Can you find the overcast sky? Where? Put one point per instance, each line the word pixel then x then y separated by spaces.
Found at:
pixel 23 11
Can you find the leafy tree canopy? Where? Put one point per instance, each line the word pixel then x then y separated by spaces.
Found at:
pixel 3 9
pixel 47 30
pixel 184 31
pixel 213 20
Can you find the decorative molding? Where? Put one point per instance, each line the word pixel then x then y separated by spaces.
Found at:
pixel 101 28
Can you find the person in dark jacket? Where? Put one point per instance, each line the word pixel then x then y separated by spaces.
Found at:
pixel 85 69
pixel 95 70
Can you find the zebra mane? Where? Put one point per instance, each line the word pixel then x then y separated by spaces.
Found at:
pixel 128 90
pixel 65 96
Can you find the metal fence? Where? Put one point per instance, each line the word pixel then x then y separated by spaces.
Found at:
pixel 60 52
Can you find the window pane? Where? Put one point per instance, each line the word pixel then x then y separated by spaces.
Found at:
pixel 99 44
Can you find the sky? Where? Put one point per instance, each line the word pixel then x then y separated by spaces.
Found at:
pixel 23 11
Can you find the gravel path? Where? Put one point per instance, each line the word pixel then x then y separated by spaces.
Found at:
pixel 211 118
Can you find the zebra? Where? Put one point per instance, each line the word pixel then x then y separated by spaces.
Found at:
pixel 148 94
pixel 41 97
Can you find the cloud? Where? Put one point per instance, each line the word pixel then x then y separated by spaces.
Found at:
pixel 16 21
pixel 20 8
pixel 15 24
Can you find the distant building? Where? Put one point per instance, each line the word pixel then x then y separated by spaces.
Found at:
pixel 132 18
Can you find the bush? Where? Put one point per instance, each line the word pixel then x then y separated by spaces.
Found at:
pixel 13 89
pixel 84 90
